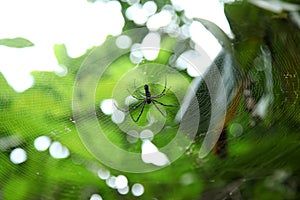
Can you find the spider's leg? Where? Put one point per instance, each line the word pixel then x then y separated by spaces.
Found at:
pixel 140 114
pixel 131 108
pixel 163 92
pixel 136 90
pixel 153 100
pixel 138 98
pixel 120 108
pixel 158 108
pixel 160 95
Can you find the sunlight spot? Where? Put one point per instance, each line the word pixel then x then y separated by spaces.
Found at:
pixel 18 156
pixel 212 10
pixel 103 174
pixel 183 61
pixel 130 100
pixel 24 79
pixel 121 182
pixel 136 55
pixel 131 10
pixel 123 42
pixel 137 189
pixel 131 2
pixel 146 135
pixel 57 150
pixel 173 30
pixel 193 72
pixel 42 143
pixel 135 59
pixel 78 32
pixel 111 182
pixel 107 106
pixel 137 14
pixel 187 179
pixel 150 154
pixel 236 129
pixel 195 63
pixel 185 31
pixel 150 7
pixel 124 190
pixel 132 136
pixel 151 46
pixel 177 4
pixel 96 197
pixel 136 49
pixel 207 41
pixel 118 116
pixel 159 20
pixel 148 147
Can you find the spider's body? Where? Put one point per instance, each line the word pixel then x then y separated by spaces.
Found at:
pixel 146 99
pixel 147 94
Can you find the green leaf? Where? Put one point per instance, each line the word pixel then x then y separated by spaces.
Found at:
pixel 16 42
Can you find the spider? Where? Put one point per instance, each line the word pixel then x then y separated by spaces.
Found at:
pixel 146 99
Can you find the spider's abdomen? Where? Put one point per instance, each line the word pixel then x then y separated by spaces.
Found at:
pixel 147 94
pixel 148 100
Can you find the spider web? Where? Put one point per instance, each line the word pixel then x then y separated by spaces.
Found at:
pixel 262 159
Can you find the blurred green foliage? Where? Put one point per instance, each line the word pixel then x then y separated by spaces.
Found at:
pixel 261 163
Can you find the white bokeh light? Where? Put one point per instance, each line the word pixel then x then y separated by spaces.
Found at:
pixel 18 156
pixel 150 7
pixel 118 116
pixel 123 42
pixel 151 46
pixel 121 182
pixel 140 13
pixel 42 143
pixel 58 151
pixel 103 174
pixel 111 182
pixel 151 154
pixel 187 179
pixel 236 129
pixel 132 136
pixel 159 20
pixel 137 14
pixel 130 100
pixel 146 134
pixel 137 189
pixel 136 55
pixel 124 190
pixel 96 197
pixel 107 106
pixel 196 64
